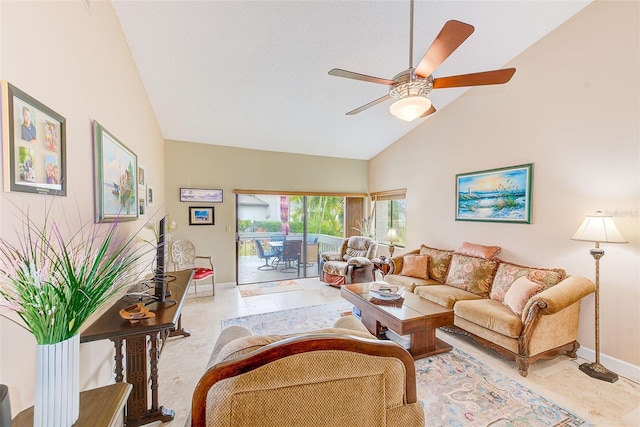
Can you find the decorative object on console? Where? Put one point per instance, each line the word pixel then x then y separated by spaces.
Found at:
pixel 116 169
pixel 598 228
pixel 34 142
pixel 392 236
pixel 498 195
pixel 55 284
pixel 410 87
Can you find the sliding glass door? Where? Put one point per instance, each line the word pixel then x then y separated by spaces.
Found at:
pixel 281 236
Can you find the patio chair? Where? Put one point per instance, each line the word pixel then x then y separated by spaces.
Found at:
pixel 290 253
pixel 183 256
pixel 266 255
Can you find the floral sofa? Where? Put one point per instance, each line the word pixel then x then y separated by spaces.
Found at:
pixel 524 313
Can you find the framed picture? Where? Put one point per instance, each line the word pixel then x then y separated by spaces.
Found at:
pixel 201 215
pixel 200 195
pixel 142 205
pixel 34 144
pixel 150 195
pixel 499 195
pixel 116 169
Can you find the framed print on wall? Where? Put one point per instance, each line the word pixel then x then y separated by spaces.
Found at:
pixel 150 195
pixel 201 215
pixel 497 195
pixel 205 195
pixel 34 144
pixel 116 169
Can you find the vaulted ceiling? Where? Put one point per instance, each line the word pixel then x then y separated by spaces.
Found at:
pixel 253 74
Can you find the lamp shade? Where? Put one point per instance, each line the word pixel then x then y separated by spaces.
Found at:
pixel 392 236
pixel 599 228
pixel 410 108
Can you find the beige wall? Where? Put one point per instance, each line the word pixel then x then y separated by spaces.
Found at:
pixel 74 59
pixel 572 109
pixel 214 166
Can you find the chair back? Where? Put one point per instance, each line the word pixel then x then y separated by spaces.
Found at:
pixel 183 254
pixel 312 252
pixel 311 380
pixel 5 406
pixel 291 249
pixel 260 248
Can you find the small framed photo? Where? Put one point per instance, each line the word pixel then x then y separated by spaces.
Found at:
pixel 34 144
pixel 497 195
pixel 203 195
pixel 142 206
pixel 116 169
pixel 150 195
pixel 142 180
pixel 201 215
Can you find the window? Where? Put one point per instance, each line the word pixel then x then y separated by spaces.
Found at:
pixel 390 212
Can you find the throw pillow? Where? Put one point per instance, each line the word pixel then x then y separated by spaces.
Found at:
pixel 471 274
pixel 415 266
pixel 480 251
pixel 508 273
pixel 520 293
pixel 439 260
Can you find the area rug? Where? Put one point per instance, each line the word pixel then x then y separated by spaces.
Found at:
pixel 454 388
pixel 268 288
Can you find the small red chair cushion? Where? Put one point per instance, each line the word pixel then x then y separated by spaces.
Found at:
pixel 202 273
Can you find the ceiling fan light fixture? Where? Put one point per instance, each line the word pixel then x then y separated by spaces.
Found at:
pixel 410 108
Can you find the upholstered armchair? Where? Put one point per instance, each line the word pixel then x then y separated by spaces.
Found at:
pixel 351 264
pixel 338 376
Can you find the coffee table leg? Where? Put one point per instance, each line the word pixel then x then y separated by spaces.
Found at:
pixel 425 343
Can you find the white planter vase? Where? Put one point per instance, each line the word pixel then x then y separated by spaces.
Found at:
pixel 57 402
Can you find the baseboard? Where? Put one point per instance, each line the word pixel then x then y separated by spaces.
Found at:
pixel 620 367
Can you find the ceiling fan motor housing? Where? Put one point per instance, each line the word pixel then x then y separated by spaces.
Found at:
pixel 410 84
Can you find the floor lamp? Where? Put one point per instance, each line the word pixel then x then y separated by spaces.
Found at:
pixel 598 228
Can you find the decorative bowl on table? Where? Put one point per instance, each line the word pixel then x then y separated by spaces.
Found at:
pixel 386 291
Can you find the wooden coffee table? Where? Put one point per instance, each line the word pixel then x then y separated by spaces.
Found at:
pixel 415 316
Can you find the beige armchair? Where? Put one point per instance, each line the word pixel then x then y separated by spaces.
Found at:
pixel 352 263
pixel 337 376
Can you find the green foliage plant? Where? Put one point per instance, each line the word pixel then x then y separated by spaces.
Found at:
pixel 55 283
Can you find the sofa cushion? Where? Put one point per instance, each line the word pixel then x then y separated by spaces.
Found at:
pixel 480 251
pixel 520 292
pixel 415 266
pixel 508 273
pixel 471 274
pixel 490 314
pixel 444 294
pixel 439 260
pixel 408 282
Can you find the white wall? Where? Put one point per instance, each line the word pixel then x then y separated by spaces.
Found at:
pixel 572 109
pixel 74 59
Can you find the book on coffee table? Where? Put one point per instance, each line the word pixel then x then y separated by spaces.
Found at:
pixel 386 291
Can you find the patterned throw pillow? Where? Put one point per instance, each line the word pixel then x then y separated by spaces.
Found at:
pixel 480 251
pixel 520 293
pixel 415 266
pixel 508 273
pixel 471 274
pixel 439 260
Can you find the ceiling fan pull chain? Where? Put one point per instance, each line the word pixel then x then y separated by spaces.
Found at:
pixel 411 36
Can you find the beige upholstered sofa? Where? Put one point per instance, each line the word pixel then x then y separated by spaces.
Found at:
pixel 352 263
pixel 339 376
pixel 524 313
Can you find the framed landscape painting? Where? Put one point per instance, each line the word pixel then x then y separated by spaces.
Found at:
pixel 34 144
pixel 498 195
pixel 206 195
pixel 201 215
pixel 116 169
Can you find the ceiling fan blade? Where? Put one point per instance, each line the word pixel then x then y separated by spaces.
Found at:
pixel 357 76
pixel 429 112
pixel 452 35
pixel 494 77
pixel 369 105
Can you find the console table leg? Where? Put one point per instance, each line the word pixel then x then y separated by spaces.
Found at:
pixel 119 369
pixel 154 353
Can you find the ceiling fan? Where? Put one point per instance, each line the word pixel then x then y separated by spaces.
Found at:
pixel 410 87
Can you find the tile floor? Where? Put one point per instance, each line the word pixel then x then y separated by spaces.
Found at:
pixel 183 359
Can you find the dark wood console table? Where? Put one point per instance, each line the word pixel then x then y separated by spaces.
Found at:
pixel 140 337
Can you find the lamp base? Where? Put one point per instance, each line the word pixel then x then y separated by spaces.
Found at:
pixel 596 370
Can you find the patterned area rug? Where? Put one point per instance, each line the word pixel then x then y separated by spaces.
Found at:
pixel 454 388
pixel 268 288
